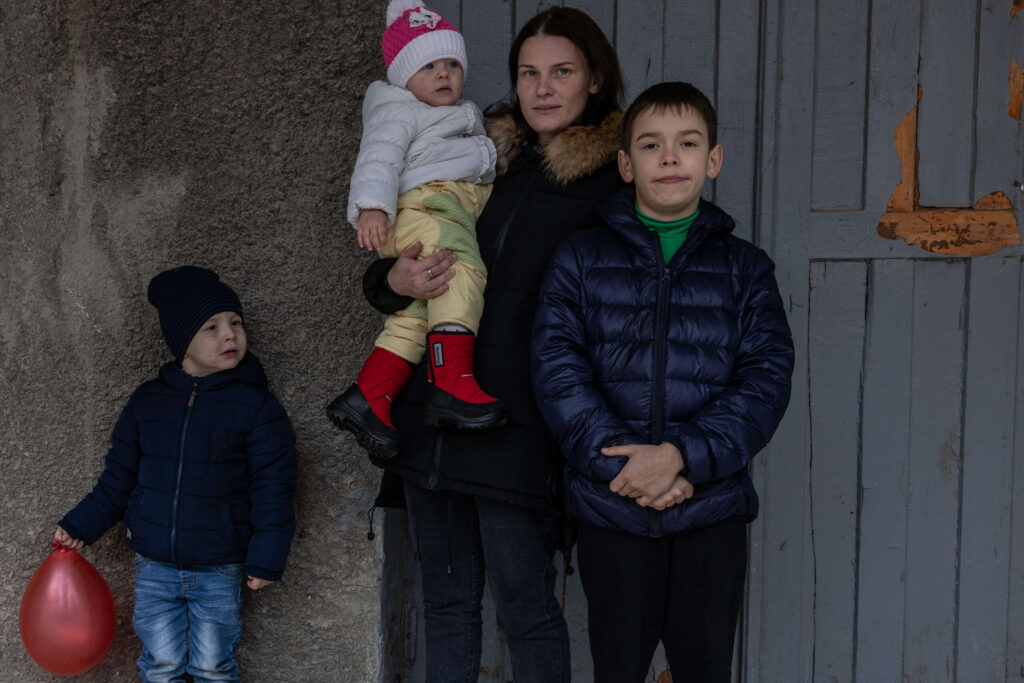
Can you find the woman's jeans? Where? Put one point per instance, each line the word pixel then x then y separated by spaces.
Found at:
pixel 188 620
pixel 458 539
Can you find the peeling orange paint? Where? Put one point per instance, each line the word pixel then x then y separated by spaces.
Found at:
pixel 1016 89
pixel 904 197
pixel 1018 5
pixel 985 229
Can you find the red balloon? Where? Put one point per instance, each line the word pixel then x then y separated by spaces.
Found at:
pixel 67 614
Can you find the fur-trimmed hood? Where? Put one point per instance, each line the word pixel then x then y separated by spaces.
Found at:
pixel 575 152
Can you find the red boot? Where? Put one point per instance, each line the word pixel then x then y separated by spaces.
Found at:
pixel 455 399
pixel 365 407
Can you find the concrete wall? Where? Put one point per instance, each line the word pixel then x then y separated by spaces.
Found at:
pixel 136 136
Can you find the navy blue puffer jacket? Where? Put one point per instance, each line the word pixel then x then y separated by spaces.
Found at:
pixel 202 470
pixel 627 350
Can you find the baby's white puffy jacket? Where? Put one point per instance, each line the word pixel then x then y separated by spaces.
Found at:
pixel 407 143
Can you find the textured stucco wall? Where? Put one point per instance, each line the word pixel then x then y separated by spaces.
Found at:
pixel 136 136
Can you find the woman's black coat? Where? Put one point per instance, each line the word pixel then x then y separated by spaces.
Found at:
pixel 541 196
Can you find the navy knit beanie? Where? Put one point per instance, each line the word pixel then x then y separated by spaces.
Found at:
pixel 186 297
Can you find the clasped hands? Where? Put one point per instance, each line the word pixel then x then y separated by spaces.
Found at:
pixel 652 476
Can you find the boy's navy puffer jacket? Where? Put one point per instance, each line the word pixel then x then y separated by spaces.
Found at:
pixel 627 350
pixel 202 470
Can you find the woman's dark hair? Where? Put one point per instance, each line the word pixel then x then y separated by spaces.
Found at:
pixel 601 60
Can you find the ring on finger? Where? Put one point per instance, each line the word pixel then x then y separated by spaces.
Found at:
pixel 430 273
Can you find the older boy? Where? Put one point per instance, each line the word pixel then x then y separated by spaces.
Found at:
pixel 662 363
pixel 201 468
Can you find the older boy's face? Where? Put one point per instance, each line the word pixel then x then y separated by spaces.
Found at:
pixel 669 159
pixel 218 345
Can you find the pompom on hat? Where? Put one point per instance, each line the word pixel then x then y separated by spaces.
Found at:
pixel 185 298
pixel 417 35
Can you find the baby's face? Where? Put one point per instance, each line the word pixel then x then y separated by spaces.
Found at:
pixel 438 83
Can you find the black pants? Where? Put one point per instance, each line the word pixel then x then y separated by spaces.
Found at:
pixel 685 590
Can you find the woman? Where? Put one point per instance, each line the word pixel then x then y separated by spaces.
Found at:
pixel 491 498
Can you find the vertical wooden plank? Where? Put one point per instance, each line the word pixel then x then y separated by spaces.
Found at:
pixel 998 135
pixel 752 619
pixel 944 125
pixel 748 642
pixel 601 11
pixel 526 9
pixel 839 99
pixel 486 30
pixel 658 665
pixel 934 492
pixel 639 41
pixel 691 33
pixel 780 641
pixel 836 350
pixel 885 444
pixel 987 469
pixel 449 9
pixel 1016 48
pixel 737 104
pixel 1015 603
pixel 892 93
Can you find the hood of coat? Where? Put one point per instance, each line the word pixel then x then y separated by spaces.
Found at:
pixel 249 371
pixel 575 152
pixel 619 213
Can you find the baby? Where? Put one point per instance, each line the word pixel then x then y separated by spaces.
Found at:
pixel 422 175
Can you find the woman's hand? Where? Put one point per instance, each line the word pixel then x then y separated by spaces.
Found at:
pixel 372 229
pixel 64 538
pixel 424 278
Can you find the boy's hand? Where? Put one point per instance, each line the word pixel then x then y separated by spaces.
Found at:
pixel 64 538
pixel 372 229
pixel 680 490
pixel 650 472
pixel 257 583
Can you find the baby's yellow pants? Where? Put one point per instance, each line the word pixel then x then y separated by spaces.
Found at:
pixel 440 215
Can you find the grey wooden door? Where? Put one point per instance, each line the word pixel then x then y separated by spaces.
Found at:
pixel 896 483
pixel 889 546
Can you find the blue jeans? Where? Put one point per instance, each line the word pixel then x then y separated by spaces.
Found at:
pixel 456 538
pixel 188 620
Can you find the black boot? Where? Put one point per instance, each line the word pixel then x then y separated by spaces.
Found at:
pixel 352 411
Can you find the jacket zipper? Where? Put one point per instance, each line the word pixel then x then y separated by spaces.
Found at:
pixel 654 517
pixel 660 351
pixel 181 465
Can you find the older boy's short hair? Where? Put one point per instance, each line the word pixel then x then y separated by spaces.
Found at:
pixel 674 95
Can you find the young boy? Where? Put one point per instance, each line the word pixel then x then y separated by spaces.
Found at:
pixel 202 471
pixel 424 165
pixel 662 364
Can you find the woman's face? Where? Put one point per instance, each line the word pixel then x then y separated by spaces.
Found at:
pixel 553 84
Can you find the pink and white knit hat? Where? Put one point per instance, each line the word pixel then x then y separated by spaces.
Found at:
pixel 416 36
